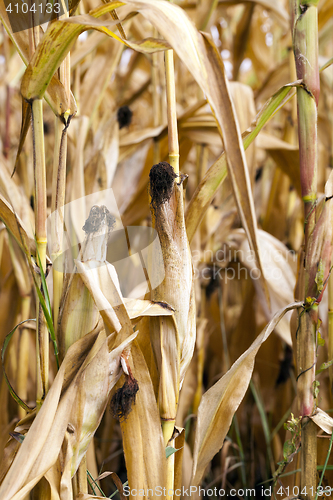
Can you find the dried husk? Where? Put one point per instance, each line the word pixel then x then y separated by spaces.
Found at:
pixel 60 417
pixel 173 339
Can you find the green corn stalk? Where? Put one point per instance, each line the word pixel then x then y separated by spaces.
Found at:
pixel 304 18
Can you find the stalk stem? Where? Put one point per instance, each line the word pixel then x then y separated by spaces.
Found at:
pixel 330 328
pixel 42 338
pixel 59 185
pixel 170 479
pixel 23 362
pixel 156 99
pixel 57 209
pixel 304 19
pixel 168 426
pixel 40 178
pixel 171 111
pixel 167 429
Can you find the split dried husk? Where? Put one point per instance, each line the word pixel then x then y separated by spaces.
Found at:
pixel 173 339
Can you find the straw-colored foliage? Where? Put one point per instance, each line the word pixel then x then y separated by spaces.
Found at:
pixel 155 341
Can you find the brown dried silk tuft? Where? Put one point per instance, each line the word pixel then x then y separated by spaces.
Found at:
pixel 122 400
pixel 161 178
pixel 98 216
pixel 124 116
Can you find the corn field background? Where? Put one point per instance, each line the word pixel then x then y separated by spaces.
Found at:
pixel 166 305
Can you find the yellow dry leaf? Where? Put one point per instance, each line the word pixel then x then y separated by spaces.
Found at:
pixel 62 418
pixel 220 402
pixel 141 431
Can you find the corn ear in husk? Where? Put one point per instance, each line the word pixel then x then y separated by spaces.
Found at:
pixel 173 338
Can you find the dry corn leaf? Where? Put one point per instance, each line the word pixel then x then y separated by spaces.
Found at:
pixel 78 209
pixel 20 267
pixel 16 226
pixel 217 173
pixel 60 38
pixel 146 46
pixel 56 95
pixel 53 423
pixel 15 195
pixel 25 125
pixel 203 60
pixel 140 135
pixel 323 420
pixel 242 96
pixel 179 455
pixel 107 142
pixel 241 38
pixel 27 469
pixel 220 402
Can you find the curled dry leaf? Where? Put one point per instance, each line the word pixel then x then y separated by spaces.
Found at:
pixel 92 395
pixel 323 420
